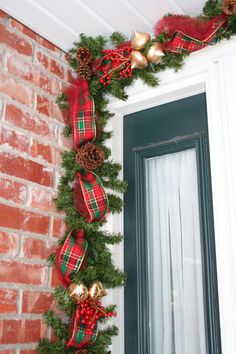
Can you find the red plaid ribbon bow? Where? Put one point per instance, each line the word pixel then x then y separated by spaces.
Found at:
pixel 90 199
pixel 189 34
pixel 82 113
pixel 71 256
pixel 89 196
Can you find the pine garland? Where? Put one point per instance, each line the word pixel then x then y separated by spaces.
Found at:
pixel 99 261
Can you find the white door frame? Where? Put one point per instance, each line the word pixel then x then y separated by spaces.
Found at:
pixel 212 70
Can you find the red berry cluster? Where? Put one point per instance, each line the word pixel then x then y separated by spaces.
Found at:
pixel 91 312
pixel 119 61
pixel 126 72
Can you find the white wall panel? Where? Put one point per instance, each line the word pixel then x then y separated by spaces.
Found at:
pixel 61 21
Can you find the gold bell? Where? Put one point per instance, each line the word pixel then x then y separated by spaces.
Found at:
pixel 155 53
pixel 138 60
pixel 139 39
pixel 78 292
pixel 97 291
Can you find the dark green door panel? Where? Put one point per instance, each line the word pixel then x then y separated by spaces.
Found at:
pixel 168 128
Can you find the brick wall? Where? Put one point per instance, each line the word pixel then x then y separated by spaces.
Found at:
pixel 32 72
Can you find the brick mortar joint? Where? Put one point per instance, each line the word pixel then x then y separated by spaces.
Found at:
pixel 32 60
pixel 26 208
pixel 56 55
pixel 26 287
pixel 34 136
pixel 48 167
pixel 23 260
pixel 21 316
pixel 19 346
pixel 32 111
pixel 30 84
pixel 24 234
pixel 24 181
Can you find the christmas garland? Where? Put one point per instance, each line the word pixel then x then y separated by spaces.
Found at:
pixel 83 259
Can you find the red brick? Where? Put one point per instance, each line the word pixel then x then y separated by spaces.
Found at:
pixel 29 72
pixel 13 40
pixel 3 15
pixel 41 151
pixel 55 280
pixel 45 43
pixel 23 273
pixel 26 169
pixel 15 140
pixel 36 302
pixel 43 60
pixel 25 121
pixel 70 78
pixel 28 351
pixel 9 243
pixel 23 220
pixel 22 28
pixel 59 228
pixel 16 90
pixel 34 248
pixel 49 108
pixel 12 190
pixel 56 156
pixel 57 69
pixel 7 352
pixel 21 331
pixel 2 54
pixel 8 301
pixel 42 199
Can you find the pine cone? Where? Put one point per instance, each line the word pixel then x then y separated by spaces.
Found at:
pixel 84 71
pixel 83 55
pixel 229 7
pixel 82 351
pixel 90 156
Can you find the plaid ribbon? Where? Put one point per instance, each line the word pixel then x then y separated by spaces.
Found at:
pixel 80 334
pixel 70 257
pixel 82 113
pixel 182 43
pixel 90 199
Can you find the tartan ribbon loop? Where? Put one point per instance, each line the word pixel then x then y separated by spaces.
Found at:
pixel 187 35
pixel 82 332
pixel 90 198
pixel 71 256
pixel 82 113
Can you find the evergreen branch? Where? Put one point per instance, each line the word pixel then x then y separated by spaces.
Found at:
pixel 60 328
pixel 117 38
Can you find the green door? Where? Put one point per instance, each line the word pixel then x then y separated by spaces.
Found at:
pixel 171 300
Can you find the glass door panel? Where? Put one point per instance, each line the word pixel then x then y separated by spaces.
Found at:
pixel 176 306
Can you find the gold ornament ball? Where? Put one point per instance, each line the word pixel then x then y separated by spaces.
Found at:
pixel 155 53
pixel 78 292
pixel 138 60
pixel 139 39
pixel 97 291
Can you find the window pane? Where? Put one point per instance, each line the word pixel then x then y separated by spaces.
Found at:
pixel 174 255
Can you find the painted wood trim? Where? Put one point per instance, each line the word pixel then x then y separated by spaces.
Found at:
pixel 212 70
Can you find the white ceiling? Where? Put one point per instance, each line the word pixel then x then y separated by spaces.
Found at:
pixel 60 21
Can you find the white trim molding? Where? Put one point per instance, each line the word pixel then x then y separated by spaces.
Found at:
pixel 212 70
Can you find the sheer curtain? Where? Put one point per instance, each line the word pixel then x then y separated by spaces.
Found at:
pixel 174 255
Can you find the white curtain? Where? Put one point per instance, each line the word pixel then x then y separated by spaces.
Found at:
pixel 174 255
